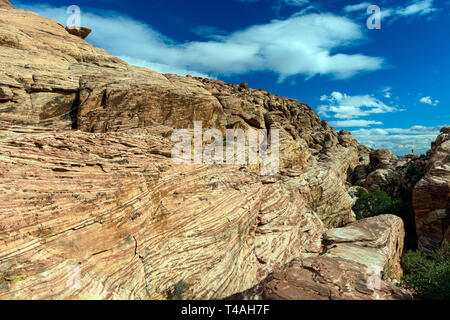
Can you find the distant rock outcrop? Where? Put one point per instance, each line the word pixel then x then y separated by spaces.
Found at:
pixel 431 197
pixel 388 173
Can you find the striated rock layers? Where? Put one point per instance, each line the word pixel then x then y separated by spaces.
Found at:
pixel 355 264
pixel 431 196
pixel 93 207
pixel 4 4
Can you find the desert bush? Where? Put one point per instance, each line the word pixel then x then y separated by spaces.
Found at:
pixel 375 203
pixel 428 276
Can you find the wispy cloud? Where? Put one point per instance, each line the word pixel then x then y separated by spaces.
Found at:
pixel 418 7
pixel 342 106
pixel 357 7
pixel 411 9
pixel 354 123
pixel 307 45
pixel 429 100
pixel 387 92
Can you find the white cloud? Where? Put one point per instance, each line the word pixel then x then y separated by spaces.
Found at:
pixel 353 123
pixel 399 141
pixel 413 8
pixel 208 31
pixel 295 3
pixel 343 106
pixel 387 92
pixel 429 100
pixel 162 68
pixel 357 7
pixel 306 45
pixel 418 7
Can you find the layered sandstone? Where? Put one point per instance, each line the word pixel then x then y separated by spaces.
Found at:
pixel 356 263
pixel 88 186
pixel 135 224
pixel 431 196
pixel 54 79
pixel 4 4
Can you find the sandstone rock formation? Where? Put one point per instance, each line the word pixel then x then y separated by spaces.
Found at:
pixel 60 81
pixel 388 173
pixel 88 186
pixel 4 4
pixel 382 159
pixel 136 224
pixel 375 242
pixel 81 32
pixel 431 197
pixel 355 264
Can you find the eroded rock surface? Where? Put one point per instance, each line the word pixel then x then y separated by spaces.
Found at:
pixel 355 265
pixel 5 4
pixel 87 185
pixel 81 32
pixel 431 197
pixel 135 224
pixel 375 242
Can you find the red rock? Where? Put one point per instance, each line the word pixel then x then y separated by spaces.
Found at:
pixel 81 32
pixel 431 196
pixel 356 264
pixel 110 192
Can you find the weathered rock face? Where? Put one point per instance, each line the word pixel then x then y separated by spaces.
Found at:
pixel 135 224
pixel 375 242
pixel 81 32
pixel 354 266
pixel 390 174
pixel 107 201
pixel 57 80
pixel 387 180
pixel 382 159
pixel 431 197
pixel 4 4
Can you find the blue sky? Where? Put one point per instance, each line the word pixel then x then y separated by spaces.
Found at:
pixel 389 86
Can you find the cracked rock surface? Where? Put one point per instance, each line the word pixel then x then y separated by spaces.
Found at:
pixel 93 207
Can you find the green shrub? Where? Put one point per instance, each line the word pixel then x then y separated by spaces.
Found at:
pixel 428 276
pixel 374 204
pixel 414 175
pixel 176 293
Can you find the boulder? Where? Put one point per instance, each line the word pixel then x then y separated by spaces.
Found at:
pixel 360 174
pixel 382 159
pixel 353 192
pixel 382 179
pixel 357 263
pixel 81 32
pixel 375 242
